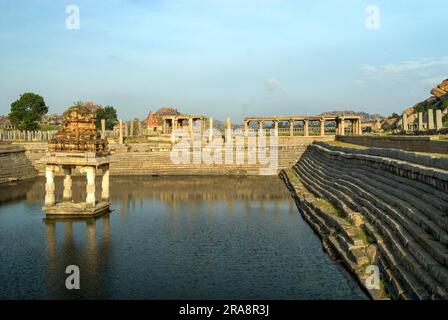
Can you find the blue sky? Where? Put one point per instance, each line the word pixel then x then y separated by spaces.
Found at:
pixel 224 58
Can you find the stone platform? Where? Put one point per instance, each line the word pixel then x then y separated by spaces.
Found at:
pixel 72 209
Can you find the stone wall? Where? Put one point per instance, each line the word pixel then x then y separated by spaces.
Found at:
pixel 14 165
pixel 403 208
pixel 409 143
pixel 154 159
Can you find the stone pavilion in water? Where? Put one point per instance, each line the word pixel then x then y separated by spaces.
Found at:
pixel 77 145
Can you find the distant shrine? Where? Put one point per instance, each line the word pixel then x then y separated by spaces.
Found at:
pixel 77 145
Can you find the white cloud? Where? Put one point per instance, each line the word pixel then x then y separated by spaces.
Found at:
pixel 271 84
pixel 423 68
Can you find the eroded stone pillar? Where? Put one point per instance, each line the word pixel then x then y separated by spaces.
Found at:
pixel 126 129
pixel 103 128
pixel 291 128
pixel 105 184
pixel 306 128
pixel 276 127
pixel 90 189
pixel 67 194
pixel 246 128
pixel 260 128
pixel 439 120
pixel 190 127
pixel 430 115
pixel 131 130
pixel 342 126
pixel 49 186
pixel 229 129
pixel 210 127
pixel 120 126
pixel 353 125
pixel 322 127
pixel 420 121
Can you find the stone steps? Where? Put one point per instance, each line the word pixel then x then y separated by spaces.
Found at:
pixel 405 237
pixel 315 176
pixel 338 236
pixel 394 272
pixel 393 195
pixel 435 202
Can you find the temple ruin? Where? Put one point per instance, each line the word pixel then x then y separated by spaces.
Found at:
pixel 77 145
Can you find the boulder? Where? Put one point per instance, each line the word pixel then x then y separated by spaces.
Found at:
pixel 441 91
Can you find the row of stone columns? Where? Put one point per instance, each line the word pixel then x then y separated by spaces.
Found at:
pixel 90 172
pixel 356 127
pixel 340 129
pixel 430 123
pixel 27 135
pixel 126 129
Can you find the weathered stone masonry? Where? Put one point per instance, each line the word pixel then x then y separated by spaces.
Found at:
pixel 14 165
pixel 404 211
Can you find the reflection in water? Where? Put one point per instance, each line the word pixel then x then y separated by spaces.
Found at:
pixel 171 237
pixel 67 253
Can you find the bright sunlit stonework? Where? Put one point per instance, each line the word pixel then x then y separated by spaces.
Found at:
pixel 77 145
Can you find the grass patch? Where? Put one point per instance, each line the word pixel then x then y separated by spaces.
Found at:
pixel 347 145
pixel 292 176
pixel 364 236
pixel 330 208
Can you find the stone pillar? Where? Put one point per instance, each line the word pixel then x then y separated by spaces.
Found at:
pixel 131 131
pixel 353 125
pixel 276 127
pixel 430 122
pixel 163 126
pixel 260 128
pixel 229 129
pixel 90 189
pixel 190 126
pixel 306 128
pixel 322 127
pixel 105 184
pixel 67 194
pixel 404 122
pixel 359 126
pixel 139 128
pixel 120 141
pixel 342 126
pixel 291 128
pixel 103 128
pixel 49 186
pixel 126 129
pixel 439 119
pixel 420 121
pixel 210 127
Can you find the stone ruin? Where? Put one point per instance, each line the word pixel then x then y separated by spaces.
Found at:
pixel 78 133
pixel 77 145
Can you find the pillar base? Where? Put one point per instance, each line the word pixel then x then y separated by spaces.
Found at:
pixel 71 209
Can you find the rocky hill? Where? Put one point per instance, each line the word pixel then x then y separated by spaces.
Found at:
pixel 438 100
pixel 365 117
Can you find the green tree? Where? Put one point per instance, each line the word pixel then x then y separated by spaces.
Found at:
pixel 27 111
pixel 420 107
pixel 109 114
